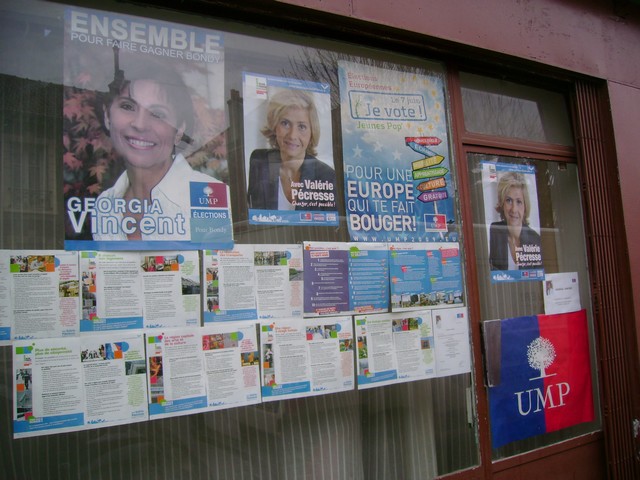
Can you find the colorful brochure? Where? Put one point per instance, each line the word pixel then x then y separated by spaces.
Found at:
pixel 39 294
pixel 306 357
pixel 69 384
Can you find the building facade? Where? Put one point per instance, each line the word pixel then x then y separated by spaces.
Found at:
pixel 548 88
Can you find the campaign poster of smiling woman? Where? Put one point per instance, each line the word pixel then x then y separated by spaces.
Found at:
pixel 144 160
pixel 513 222
pixel 291 178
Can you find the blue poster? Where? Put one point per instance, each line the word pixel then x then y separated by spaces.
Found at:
pixel 343 278
pixel 397 169
pixel 425 275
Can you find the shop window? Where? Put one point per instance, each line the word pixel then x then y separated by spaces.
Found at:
pixel 420 429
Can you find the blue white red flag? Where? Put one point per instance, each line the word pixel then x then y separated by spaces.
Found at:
pixel 539 375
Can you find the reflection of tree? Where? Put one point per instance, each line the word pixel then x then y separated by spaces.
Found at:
pixel 504 115
pixel 541 354
pixel 318 66
pixel 322 66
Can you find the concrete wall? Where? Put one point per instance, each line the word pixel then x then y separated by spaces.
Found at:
pixel 599 38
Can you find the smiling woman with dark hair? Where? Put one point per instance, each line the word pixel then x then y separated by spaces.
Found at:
pixel 148 114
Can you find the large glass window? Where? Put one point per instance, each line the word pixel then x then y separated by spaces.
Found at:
pixel 420 429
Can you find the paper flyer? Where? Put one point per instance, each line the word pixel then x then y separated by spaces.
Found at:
pixel 5 299
pixel 306 357
pixel 394 348
pixel 111 291
pixel 368 277
pixel 39 294
pixel 291 178
pixel 69 384
pixel 561 293
pixel 230 283
pixel 279 280
pixel 397 166
pixel 203 369
pixel 114 372
pixel 425 275
pixel 144 160
pixel 175 373
pixel 513 222
pixel 171 289
pixel 451 333
pixel 232 364
pixel 48 392
pixel 342 278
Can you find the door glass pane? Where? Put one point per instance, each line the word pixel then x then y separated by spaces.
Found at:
pixel 506 109
pixel 555 217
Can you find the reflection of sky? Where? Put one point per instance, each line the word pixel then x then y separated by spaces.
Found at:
pixel 25 32
pixel 518 117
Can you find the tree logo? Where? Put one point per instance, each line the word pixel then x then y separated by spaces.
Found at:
pixel 541 354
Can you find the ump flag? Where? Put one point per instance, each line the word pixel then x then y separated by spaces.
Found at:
pixel 539 375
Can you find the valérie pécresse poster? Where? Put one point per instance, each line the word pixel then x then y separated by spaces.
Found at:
pixel 512 217
pixel 291 179
pixel 145 161
pixel 396 155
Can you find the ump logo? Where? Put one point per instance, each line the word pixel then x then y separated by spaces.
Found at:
pixel 541 354
pixel 209 199
pixel 208 195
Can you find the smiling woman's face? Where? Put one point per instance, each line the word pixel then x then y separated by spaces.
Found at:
pixel 293 133
pixel 143 125
pixel 513 206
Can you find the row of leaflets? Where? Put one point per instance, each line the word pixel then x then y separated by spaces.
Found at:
pixel 49 294
pixel 112 378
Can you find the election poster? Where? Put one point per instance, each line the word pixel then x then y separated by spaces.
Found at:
pixel 291 178
pixel 513 222
pixel 144 154
pixel 397 165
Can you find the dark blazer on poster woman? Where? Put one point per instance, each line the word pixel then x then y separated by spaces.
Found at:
pixel 499 245
pixel 264 175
